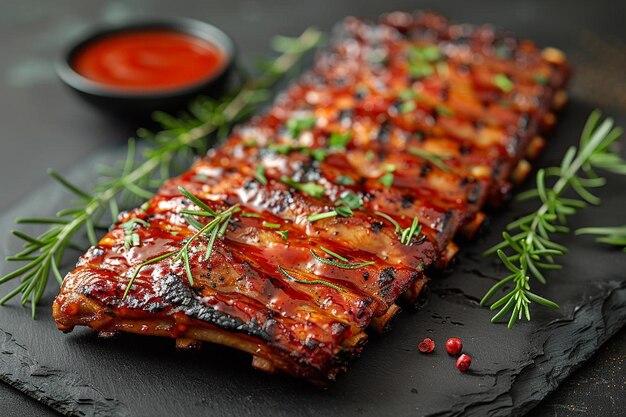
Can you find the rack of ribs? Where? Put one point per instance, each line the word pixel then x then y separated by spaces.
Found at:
pixel 411 117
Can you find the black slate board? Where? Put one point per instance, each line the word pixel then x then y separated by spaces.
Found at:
pixel 81 374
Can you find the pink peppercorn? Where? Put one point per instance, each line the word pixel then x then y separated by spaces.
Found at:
pixel 454 346
pixel 463 362
pixel 426 346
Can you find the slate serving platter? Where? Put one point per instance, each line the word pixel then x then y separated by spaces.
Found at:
pixel 512 370
pixel 80 374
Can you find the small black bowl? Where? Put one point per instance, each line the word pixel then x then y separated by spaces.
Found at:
pixel 131 104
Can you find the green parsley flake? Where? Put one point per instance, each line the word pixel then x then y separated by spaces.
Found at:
pixel 407 107
pixel 344 180
pixel 310 188
pixel 350 199
pixel 283 233
pixel 503 82
pixel 444 111
pixel 271 225
pixel 386 179
pixel 296 126
pixel 339 140
pixel 260 174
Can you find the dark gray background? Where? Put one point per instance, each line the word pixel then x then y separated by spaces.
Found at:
pixel 44 126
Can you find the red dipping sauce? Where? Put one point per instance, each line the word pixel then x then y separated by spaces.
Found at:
pixel 149 60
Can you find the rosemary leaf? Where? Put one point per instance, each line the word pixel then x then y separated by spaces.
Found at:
pixel 310 188
pixel 309 282
pixel 435 159
pixel 528 250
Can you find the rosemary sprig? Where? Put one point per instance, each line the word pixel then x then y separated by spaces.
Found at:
pixel 407 234
pixel 527 248
pixel 615 236
pixel 308 282
pixel 310 188
pixel 176 141
pixel 131 238
pixel 342 211
pixel 346 264
pixel 348 201
pixel 214 229
pixel 283 233
pixel 140 267
pixel 437 160
pixel 296 126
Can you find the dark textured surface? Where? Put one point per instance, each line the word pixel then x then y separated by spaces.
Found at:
pixel 512 370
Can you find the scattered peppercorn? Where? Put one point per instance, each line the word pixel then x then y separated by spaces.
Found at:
pixel 454 346
pixel 463 362
pixel 426 346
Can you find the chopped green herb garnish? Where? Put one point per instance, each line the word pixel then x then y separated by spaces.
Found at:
pixel 369 155
pixel 310 188
pixel 406 235
pixel 344 180
pixel 420 69
pixel 131 238
pixel 197 201
pixel 283 233
pixel 407 106
pixel 346 264
pixel 344 211
pixel 407 94
pixel 386 179
pixel 414 230
pixel 350 199
pixel 390 219
pixel 339 140
pixel 283 149
pixel 250 144
pixel 271 225
pixel 318 154
pixel 313 281
pixel 320 216
pixel 435 159
pixel 421 60
pixel 254 215
pixel 430 53
pixel 336 255
pixel 260 174
pixel 444 111
pixel 296 126
pixel 503 82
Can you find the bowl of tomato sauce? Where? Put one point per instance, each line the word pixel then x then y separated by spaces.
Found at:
pixel 136 68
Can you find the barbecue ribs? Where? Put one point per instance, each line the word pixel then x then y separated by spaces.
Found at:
pixel 412 117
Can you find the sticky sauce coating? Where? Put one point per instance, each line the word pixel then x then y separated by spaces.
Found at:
pixel 411 118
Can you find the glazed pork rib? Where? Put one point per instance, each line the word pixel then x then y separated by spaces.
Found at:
pixel 409 118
